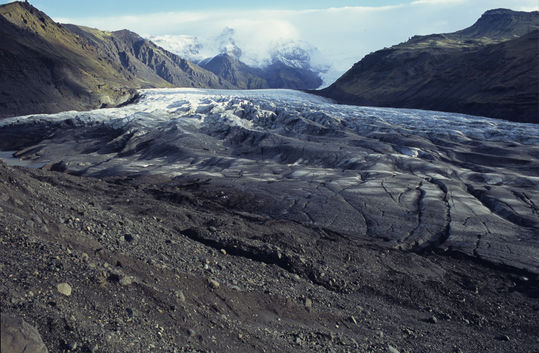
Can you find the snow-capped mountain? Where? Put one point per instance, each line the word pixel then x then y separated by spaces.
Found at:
pixel 186 46
pixel 410 179
pixel 294 54
pixel 284 64
pixel 227 44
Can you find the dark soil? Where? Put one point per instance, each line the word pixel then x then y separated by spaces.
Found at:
pixel 161 265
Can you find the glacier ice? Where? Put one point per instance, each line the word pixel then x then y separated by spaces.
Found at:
pixel 410 179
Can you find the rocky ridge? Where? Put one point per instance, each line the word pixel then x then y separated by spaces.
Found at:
pixel 277 74
pixel 47 67
pixel 489 69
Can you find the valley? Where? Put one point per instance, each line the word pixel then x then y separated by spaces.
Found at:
pixel 149 203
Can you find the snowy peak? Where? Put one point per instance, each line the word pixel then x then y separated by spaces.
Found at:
pixel 280 64
pixel 275 75
pixel 227 44
pixel 49 67
pixel 292 54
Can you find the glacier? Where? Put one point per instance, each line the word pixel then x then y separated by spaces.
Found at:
pixel 407 179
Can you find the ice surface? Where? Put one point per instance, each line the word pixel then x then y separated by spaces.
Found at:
pixel 413 179
pixel 161 105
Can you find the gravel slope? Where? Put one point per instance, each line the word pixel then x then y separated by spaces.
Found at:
pixel 162 265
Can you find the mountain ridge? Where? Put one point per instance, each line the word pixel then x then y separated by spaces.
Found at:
pixel 235 71
pixel 277 74
pixel 49 67
pixel 489 69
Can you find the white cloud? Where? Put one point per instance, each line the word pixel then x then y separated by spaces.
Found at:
pixel 436 2
pixel 342 35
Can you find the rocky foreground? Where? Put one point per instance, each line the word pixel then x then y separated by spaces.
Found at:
pixel 155 264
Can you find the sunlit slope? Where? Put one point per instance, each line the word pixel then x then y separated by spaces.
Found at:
pixel 49 67
pixel 490 69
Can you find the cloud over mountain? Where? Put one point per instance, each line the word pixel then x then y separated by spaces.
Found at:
pixel 341 35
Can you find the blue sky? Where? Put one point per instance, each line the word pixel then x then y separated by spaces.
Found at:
pixel 336 33
pixel 71 8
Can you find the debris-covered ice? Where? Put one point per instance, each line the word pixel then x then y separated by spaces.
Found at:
pixel 410 178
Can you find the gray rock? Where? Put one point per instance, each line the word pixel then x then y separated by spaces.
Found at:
pixel 64 289
pixel 392 349
pixel 18 336
pixel 432 320
pixel 308 304
pixel 126 280
pixel 180 296
pixel 213 283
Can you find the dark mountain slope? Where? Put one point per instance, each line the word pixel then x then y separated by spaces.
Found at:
pixel 276 75
pixel 147 61
pixel 235 71
pixel 489 69
pixel 47 67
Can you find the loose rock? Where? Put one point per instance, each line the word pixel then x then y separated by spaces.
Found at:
pixel 180 296
pixel 308 303
pixel 126 280
pixel 432 320
pixel 18 336
pixel 392 349
pixel 213 283
pixel 64 289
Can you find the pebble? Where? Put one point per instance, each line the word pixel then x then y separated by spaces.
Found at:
pixel 72 346
pixel 84 256
pixel 223 251
pixel 503 338
pixel 308 303
pixel 180 296
pixel 213 283
pixel 64 289
pixel 432 320
pixel 126 280
pixel 392 349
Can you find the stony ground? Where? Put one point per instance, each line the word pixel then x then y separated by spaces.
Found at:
pixel 152 264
